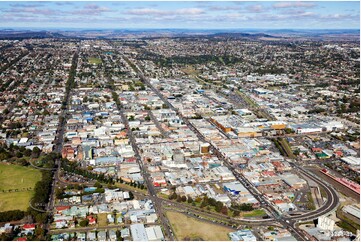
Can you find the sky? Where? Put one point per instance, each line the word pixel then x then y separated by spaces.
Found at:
pixel 185 15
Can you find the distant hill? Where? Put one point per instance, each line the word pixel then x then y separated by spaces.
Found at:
pixel 241 35
pixel 8 34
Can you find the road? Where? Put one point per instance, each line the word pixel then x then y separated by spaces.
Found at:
pixel 157 124
pixel 286 221
pixel 264 202
pixel 152 192
pixel 90 228
pixel 58 146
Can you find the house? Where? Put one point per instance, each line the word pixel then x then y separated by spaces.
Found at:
pixel 110 218
pixel 7 228
pixel 112 235
pixel 138 232
pixel 102 236
pixel 91 236
pixel 242 235
pixel 154 233
pixel 68 152
pixel 21 239
pixel 92 220
pixel 28 228
pixel 81 236
pixel 125 233
pixel 59 224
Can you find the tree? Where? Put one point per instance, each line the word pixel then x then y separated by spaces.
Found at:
pixel 172 196
pixel 27 152
pixel 219 206
pixel 184 198
pixel 41 218
pixel 6 111
pixel 236 213
pixel 204 203
pixel 98 185
pixel 19 154
pixel 84 223
pixel 190 200
pixel 224 210
pixel 39 232
pixel 35 152
pixel 147 118
pixel 296 152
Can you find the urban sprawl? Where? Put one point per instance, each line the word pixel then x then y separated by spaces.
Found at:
pixel 189 138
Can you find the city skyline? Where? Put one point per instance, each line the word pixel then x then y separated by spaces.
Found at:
pixel 181 15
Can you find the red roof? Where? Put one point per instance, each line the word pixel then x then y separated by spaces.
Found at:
pixel 339 153
pixel 92 220
pixel 278 201
pixel 61 208
pixel 21 239
pixel 277 164
pixel 316 149
pixel 268 173
pixel 29 226
pixel 132 159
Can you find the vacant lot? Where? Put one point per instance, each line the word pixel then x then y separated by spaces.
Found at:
pixel 187 228
pixel 94 60
pixel 102 219
pixel 16 186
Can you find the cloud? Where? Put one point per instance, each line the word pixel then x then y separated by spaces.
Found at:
pixel 31 10
pixel 223 8
pixel 293 5
pixel 22 5
pixel 153 11
pixel 189 11
pixel 64 3
pixel 92 9
pixel 255 8
pixel 337 16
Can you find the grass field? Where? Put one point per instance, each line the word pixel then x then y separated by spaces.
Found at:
pixel 287 148
pixel 192 229
pixel 255 213
pixel 20 178
pixel 94 60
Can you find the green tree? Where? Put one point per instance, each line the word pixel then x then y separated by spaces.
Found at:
pixel 84 223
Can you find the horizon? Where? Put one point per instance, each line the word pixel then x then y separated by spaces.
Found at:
pixel 155 28
pixel 189 15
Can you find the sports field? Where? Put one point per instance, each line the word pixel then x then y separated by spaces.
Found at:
pixel 187 228
pixel 16 186
pixel 94 60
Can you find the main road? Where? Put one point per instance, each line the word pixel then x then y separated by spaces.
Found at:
pixel 59 143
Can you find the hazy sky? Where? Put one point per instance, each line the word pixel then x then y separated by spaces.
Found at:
pixel 196 15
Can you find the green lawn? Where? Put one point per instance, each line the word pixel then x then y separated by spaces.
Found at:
pixel 17 177
pixel 255 213
pixel 94 60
